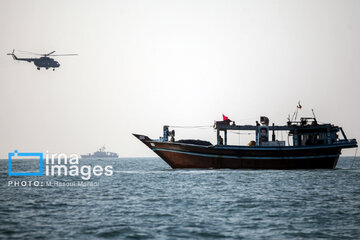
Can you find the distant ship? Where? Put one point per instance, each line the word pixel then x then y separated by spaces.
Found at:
pixel 101 153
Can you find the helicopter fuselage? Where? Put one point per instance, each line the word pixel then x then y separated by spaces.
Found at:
pixel 42 62
pixel 46 62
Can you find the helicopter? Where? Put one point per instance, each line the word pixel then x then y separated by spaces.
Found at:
pixel 42 62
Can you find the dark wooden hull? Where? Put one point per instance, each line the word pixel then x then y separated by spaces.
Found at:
pixel 180 155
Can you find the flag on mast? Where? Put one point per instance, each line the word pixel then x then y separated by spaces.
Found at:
pixel 225 117
pixel 299 105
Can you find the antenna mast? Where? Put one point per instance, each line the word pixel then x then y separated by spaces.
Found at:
pixel 313 113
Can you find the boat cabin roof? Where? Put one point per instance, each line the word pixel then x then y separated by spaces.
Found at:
pixel 304 125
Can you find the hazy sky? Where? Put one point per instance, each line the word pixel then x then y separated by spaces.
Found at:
pixel 143 64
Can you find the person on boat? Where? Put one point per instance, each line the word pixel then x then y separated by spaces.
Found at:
pixel 264 135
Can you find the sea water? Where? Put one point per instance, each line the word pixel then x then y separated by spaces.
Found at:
pixel 145 199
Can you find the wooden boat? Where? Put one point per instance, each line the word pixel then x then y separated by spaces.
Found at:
pixel 312 146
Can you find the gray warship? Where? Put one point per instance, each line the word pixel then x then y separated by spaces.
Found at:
pixel 101 153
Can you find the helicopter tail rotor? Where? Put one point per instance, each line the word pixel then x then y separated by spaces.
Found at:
pixel 12 54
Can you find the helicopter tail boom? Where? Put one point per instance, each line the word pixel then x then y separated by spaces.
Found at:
pixel 20 59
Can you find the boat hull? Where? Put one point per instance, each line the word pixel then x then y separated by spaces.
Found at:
pixel 180 155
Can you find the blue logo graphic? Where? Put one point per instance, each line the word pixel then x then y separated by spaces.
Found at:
pixel 40 155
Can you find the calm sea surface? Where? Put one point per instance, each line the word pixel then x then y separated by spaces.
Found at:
pixel 145 199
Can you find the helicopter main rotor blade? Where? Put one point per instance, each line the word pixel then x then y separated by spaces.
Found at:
pixel 39 54
pixel 72 54
pixel 49 53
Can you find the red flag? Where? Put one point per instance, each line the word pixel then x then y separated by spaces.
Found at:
pixel 225 117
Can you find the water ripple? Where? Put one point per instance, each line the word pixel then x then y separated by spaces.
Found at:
pixel 148 200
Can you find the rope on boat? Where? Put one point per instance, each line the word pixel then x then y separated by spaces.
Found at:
pixel 354 159
pixel 191 126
